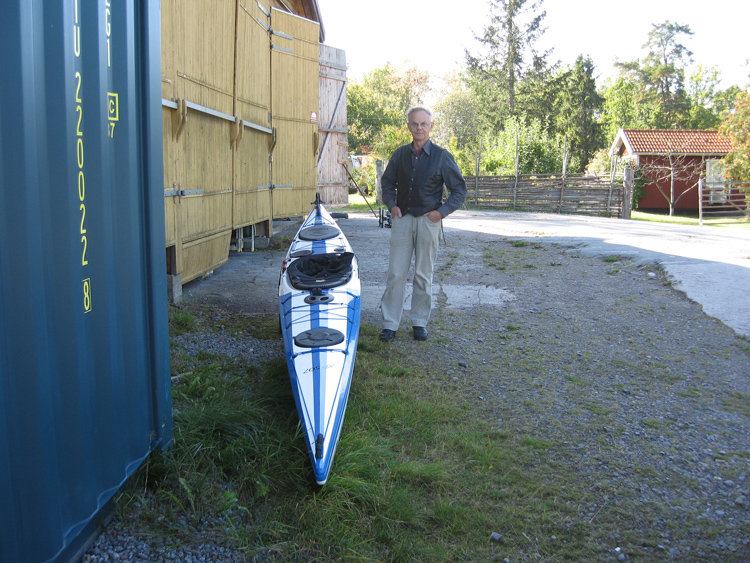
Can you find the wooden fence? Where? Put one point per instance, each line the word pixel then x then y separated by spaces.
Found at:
pixel 723 199
pixel 586 195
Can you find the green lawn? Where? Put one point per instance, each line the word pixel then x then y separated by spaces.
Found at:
pixel 740 222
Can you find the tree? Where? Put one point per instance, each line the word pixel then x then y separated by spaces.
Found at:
pixel 457 122
pixel 736 126
pixel 376 107
pixel 701 89
pixel 538 152
pixel 708 104
pixel 665 65
pixel 509 56
pixel 675 168
pixel 662 73
pixel 578 105
pixel 627 106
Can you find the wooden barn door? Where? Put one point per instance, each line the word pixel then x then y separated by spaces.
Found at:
pixel 198 113
pixel 294 103
pixel 253 135
pixel 240 119
pixel 333 182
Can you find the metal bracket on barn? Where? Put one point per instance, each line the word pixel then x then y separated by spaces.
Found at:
pixel 177 191
pixel 237 132
pixel 182 106
pixel 283 36
pixel 263 9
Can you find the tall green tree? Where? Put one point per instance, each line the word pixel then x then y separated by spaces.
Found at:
pixel 457 121
pixel 457 113
pixel 376 107
pixel 578 106
pixel 627 106
pixel 709 104
pixel 736 126
pixel 538 152
pixel 661 74
pixel 702 88
pixel 508 57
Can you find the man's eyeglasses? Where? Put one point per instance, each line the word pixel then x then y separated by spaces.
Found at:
pixel 423 125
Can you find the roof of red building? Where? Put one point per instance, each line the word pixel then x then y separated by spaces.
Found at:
pixel 666 141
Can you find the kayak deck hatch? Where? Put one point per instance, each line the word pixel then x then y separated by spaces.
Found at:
pixel 319 337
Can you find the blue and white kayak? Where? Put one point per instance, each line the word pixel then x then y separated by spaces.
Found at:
pixel 319 310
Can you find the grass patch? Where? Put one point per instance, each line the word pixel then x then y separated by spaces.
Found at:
pixel 499 259
pixel 737 222
pixel 575 379
pixel 359 204
pixel 263 327
pixel 415 477
pixel 653 423
pixel 597 409
pixel 692 392
pixel 737 402
pixel 187 318
pixel 419 475
pixel 181 321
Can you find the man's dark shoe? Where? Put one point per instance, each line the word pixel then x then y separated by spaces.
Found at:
pixel 386 335
pixel 420 333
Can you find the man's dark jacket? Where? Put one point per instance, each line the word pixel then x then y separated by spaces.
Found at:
pixel 419 189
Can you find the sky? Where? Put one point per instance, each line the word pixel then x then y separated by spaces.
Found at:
pixel 433 35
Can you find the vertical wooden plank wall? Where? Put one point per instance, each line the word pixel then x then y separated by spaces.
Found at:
pixel 333 182
pixel 253 104
pixel 167 92
pixel 295 112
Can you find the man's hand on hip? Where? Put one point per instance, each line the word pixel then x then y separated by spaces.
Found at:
pixel 435 216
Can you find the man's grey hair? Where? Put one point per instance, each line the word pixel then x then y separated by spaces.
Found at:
pixel 412 109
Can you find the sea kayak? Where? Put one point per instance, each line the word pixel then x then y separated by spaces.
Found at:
pixel 319 311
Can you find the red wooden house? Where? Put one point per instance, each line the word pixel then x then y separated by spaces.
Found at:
pixel 672 161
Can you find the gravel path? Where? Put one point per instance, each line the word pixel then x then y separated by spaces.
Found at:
pixel 634 387
pixel 630 383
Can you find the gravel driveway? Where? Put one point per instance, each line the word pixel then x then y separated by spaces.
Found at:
pixel 646 396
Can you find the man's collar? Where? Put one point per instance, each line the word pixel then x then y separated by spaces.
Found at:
pixel 426 148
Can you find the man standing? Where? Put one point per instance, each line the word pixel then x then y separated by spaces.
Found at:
pixel 412 188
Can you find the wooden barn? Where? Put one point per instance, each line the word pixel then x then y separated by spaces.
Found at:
pixel 672 161
pixel 241 114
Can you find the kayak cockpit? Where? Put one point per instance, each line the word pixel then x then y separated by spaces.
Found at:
pixel 320 271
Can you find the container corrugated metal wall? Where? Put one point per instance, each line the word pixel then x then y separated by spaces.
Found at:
pixel 84 344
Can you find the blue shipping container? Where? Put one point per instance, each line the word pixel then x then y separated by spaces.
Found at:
pixel 84 344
